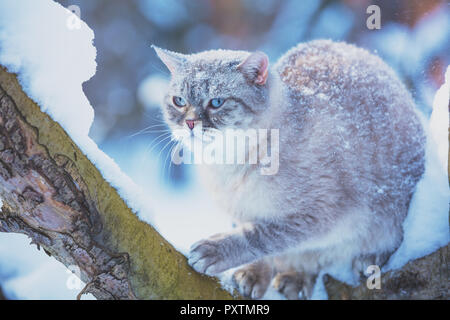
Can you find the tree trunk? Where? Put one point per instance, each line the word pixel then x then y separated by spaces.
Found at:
pixel 55 195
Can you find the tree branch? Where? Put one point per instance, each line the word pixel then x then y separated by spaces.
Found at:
pixel 55 195
pixel 425 278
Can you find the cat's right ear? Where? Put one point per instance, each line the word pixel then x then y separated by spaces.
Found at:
pixel 256 67
pixel 172 60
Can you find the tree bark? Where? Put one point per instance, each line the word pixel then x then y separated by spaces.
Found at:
pixel 424 278
pixel 55 195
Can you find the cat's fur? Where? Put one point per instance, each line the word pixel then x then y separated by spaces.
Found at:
pixel 351 153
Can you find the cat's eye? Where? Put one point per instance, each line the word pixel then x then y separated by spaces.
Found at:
pixel 217 102
pixel 179 101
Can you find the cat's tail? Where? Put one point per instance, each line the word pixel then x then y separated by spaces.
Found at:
pixel 426 228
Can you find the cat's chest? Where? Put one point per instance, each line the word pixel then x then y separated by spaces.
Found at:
pixel 241 191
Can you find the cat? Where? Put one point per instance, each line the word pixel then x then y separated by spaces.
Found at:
pixel 351 151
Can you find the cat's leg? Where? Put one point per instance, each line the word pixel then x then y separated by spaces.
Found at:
pixel 295 285
pixel 361 264
pixel 253 241
pixel 253 279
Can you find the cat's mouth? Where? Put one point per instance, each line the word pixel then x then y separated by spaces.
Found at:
pixel 196 132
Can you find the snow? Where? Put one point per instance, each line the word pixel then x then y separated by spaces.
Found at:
pixel 51 70
pixel 37 44
pixel 426 226
pixel 52 61
pixel 32 274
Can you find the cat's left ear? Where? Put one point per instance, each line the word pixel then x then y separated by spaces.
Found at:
pixel 172 60
pixel 256 67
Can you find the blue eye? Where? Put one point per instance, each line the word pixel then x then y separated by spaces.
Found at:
pixel 179 101
pixel 217 102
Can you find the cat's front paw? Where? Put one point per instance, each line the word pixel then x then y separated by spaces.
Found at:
pixel 206 256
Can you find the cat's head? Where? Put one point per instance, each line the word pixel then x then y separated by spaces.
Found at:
pixel 215 90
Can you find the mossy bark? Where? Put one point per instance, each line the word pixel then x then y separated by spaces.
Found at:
pixel 55 195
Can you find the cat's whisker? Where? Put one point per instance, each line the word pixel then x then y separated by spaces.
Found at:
pixel 160 153
pixel 169 157
pixel 175 146
pixel 165 159
pixel 151 145
pixel 151 132
pixel 149 151
pixel 155 131
pixel 165 135
pixel 145 130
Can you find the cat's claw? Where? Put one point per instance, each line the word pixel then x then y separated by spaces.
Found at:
pixel 205 257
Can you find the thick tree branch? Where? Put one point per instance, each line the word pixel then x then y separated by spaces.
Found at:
pixel 55 195
pixel 425 278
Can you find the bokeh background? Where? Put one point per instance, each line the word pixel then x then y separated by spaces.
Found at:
pixel 126 91
pixel 414 40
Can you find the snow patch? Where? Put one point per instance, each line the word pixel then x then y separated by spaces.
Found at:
pixel 52 61
pixel 32 274
pixel 426 228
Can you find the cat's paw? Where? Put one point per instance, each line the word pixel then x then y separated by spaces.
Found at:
pixel 289 285
pixel 207 257
pixel 252 280
pixel 294 285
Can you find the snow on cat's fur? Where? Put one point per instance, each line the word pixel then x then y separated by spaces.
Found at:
pixel 351 153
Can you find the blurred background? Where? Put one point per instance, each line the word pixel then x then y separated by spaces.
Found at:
pixel 126 91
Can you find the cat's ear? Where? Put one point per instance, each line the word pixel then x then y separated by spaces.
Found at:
pixel 172 60
pixel 256 67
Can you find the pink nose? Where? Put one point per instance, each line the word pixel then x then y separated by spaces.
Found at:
pixel 190 124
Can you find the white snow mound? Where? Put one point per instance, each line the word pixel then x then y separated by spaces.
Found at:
pixel 52 53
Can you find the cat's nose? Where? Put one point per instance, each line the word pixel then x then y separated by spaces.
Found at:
pixel 190 124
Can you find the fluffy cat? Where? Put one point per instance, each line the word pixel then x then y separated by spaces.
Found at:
pixel 351 150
